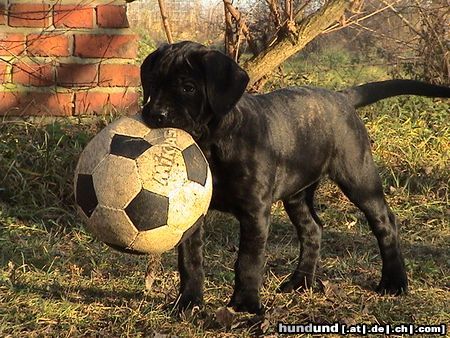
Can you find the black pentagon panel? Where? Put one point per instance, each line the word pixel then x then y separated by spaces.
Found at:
pixel 127 146
pixel 148 210
pixel 188 233
pixel 196 165
pixel 126 250
pixel 85 194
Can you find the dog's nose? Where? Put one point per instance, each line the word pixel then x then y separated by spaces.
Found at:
pixel 159 116
pixel 155 117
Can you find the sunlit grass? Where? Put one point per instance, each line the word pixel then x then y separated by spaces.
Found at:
pixel 55 280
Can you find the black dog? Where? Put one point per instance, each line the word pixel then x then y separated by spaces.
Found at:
pixel 264 148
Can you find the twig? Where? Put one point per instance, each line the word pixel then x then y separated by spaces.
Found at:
pixel 165 21
pixel 351 21
pixel 243 28
pixel 400 15
pixel 275 12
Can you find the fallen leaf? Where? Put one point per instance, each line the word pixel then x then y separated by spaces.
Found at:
pixel 225 316
pixel 265 325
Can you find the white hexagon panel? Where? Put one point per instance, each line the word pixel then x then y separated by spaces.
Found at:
pixel 116 181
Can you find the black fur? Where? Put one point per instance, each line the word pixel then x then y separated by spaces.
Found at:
pixel 264 148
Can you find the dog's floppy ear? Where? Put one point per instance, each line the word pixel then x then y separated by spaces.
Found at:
pixel 146 69
pixel 225 81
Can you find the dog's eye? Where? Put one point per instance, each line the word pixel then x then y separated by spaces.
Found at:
pixel 189 88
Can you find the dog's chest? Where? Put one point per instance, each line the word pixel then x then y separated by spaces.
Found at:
pixel 240 183
pixel 227 189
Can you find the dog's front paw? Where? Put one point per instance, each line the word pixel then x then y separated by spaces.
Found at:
pixel 393 285
pixel 295 283
pixel 246 302
pixel 290 286
pixel 188 301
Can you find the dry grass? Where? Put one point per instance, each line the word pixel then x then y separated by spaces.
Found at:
pixel 55 280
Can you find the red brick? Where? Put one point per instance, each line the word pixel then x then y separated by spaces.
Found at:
pixel 8 103
pixel 127 102
pixel 102 45
pixel 112 75
pixel 73 16
pixel 2 14
pixel 3 71
pixel 29 15
pixel 87 103
pixel 75 74
pixel 58 104
pixel 34 103
pixel 32 74
pixel 12 44
pixel 48 45
pixel 111 16
pixel 92 102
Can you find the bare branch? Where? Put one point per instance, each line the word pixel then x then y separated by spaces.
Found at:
pixel 286 46
pixel 353 20
pixel 229 36
pixel 165 21
pixel 405 21
pixel 288 9
pixel 273 6
pixel 242 28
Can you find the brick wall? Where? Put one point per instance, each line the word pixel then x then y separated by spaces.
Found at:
pixel 66 57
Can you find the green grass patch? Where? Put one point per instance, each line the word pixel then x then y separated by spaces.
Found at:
pixel 333 68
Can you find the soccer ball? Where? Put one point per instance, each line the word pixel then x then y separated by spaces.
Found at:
pixel 142 190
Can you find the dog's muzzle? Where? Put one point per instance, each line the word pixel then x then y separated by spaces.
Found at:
pixel 155 118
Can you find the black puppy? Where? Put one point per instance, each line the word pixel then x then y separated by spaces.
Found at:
pixel 264 148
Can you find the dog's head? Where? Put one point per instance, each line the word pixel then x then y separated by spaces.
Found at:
pixel 190 87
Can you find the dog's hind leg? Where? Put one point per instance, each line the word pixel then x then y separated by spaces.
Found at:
pixel 192 275
pixel 300 209
pixel 360 182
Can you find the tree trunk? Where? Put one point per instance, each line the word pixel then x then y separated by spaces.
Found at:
pixel 293 41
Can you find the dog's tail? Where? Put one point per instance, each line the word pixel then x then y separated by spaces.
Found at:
pixel 368 93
